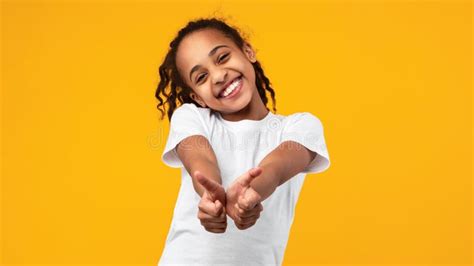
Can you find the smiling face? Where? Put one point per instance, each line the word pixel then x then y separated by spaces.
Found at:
pixel 209 63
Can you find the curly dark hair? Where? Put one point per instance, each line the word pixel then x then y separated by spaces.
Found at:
pixel 179 91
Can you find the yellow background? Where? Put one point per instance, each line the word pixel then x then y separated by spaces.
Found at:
pixel 82 179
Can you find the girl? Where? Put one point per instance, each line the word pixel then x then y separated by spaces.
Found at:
pixel 238 159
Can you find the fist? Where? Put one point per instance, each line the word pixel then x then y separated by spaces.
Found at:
pixel 243 202
pixel 212 212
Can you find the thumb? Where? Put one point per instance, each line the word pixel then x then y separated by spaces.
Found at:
pixel 209 185
pixel 250 175
pixel 249 200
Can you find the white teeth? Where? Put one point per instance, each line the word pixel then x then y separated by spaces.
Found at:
pixel 231 87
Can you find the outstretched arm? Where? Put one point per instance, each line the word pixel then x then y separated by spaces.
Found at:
pixel 245 195
pixel 199 159
pixel 284 162
pixel 196 153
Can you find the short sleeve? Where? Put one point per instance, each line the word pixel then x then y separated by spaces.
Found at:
pixel 307 130
pixel 186 121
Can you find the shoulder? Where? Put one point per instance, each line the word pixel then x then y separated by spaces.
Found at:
pixel 185 108
pixel 190 110
pixel 189 117
pixel 302 119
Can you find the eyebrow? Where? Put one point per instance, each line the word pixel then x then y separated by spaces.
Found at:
pixel 211 53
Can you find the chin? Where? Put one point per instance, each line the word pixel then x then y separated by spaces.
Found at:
pixel 242 106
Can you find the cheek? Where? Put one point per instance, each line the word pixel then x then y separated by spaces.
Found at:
pixel 247 67
pixel 205 92
pixel 240 64
pixel 250 74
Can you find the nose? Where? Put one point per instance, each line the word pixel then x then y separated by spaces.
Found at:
pixel 219 76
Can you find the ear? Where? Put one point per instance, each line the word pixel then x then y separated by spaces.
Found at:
pixel 197 99
pixel 249 52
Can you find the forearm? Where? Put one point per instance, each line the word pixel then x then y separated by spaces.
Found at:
pixel 266 183
pixel 284 162
pixel 207 168
pixel 196 153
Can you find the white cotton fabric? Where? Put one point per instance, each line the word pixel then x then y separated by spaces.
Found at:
pixel 239 146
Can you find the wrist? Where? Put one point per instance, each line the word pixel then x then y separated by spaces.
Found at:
pixel 267 182
pixel 207 168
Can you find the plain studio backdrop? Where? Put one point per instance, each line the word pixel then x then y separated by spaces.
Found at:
pixel 391 81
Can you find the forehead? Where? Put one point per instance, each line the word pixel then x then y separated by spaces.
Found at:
pixel 195 47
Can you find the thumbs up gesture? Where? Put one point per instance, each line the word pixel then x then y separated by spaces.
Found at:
pixel 243 202
pixel 212 210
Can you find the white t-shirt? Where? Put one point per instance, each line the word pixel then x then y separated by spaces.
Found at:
pixel 239 146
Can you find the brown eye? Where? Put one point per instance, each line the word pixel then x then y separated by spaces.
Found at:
pixel 222 57
pixel 199 78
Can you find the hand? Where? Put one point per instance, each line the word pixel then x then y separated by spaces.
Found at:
pixel 243 202
pixel 212 213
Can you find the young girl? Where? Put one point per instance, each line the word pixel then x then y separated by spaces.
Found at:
pixel 240 162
